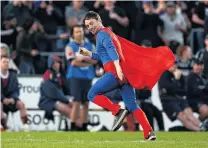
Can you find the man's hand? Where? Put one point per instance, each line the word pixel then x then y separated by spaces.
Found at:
pixel 113 15
pixel 120 73
pixel 7 101
pixel 34 52
pixel 64 35
pixel 177 27
pixel 177 74
pixel 83 51
pixel 167 43
pixel 80 58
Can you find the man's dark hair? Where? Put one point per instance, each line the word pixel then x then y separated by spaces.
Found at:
pixel 91 15
pixel 78 26
pixel 4 56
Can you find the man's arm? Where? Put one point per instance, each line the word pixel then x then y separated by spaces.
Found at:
pixel 111 50
pixel 75 60
pixel 197 20
pixel 19 42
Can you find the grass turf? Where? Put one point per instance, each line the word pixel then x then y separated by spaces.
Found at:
pixel 103 140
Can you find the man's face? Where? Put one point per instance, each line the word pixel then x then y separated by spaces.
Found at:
pixel 4 64
pixel 78 33
pixel 56 66
pixel 4 52
pixel 78 4
pixel 187 53
pixel 198 68
pixel 93 25
pixel 206 42
pixel 109 3
pixel 171 10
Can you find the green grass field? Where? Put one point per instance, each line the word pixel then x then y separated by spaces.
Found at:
pixel 103 140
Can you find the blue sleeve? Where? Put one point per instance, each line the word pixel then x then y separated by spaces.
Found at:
pixel 95 56
pixel 109 45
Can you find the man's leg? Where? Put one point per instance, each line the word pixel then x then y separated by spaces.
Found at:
pixel 3 119
pixel 186 122
pixel 76 92
pixel 174 108
pixel 74 114
pixel 189 114
pixel 23 113
pixel 129 98
pixel 203 111
pixel 63 109
pixel 84 115
pixel 105 84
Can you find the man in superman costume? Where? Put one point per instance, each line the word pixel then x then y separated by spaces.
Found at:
pixel 127 66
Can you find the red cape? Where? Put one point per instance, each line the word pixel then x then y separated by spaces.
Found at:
pixel 141 66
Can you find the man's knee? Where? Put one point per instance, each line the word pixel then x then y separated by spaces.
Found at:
pixel 20 105
pixel 85 104
pixel 132 106
pixel 203 109
pixel 181 116
pixel 91 95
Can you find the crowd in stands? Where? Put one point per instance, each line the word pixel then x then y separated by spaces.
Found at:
pixel 31 28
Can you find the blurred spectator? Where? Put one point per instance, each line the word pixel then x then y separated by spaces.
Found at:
pixel 198 19
pixel 26 47
pixel 115 18
pixel 54 90
pixel 202 55
pixel 96 5
pixel 10 101
pixel 48 15
pixel 173 98
pixel 198 91
pixel 184 59
pixel 5 52
pixel 79 75
pixel 148 25
pixel 206 26
pixel 9 31
pixel 130 8
pixel 22 10
pixel 75 13
pixel 174 25
pixel 160 7
pixel 61 5
pixel 30 42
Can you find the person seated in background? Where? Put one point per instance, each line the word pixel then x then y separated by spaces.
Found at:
pixel 202 55
pixel 173 99
pixel 10 101
pixel 54 90
pixel 184 59
pixel 198 91
pixel 5 52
